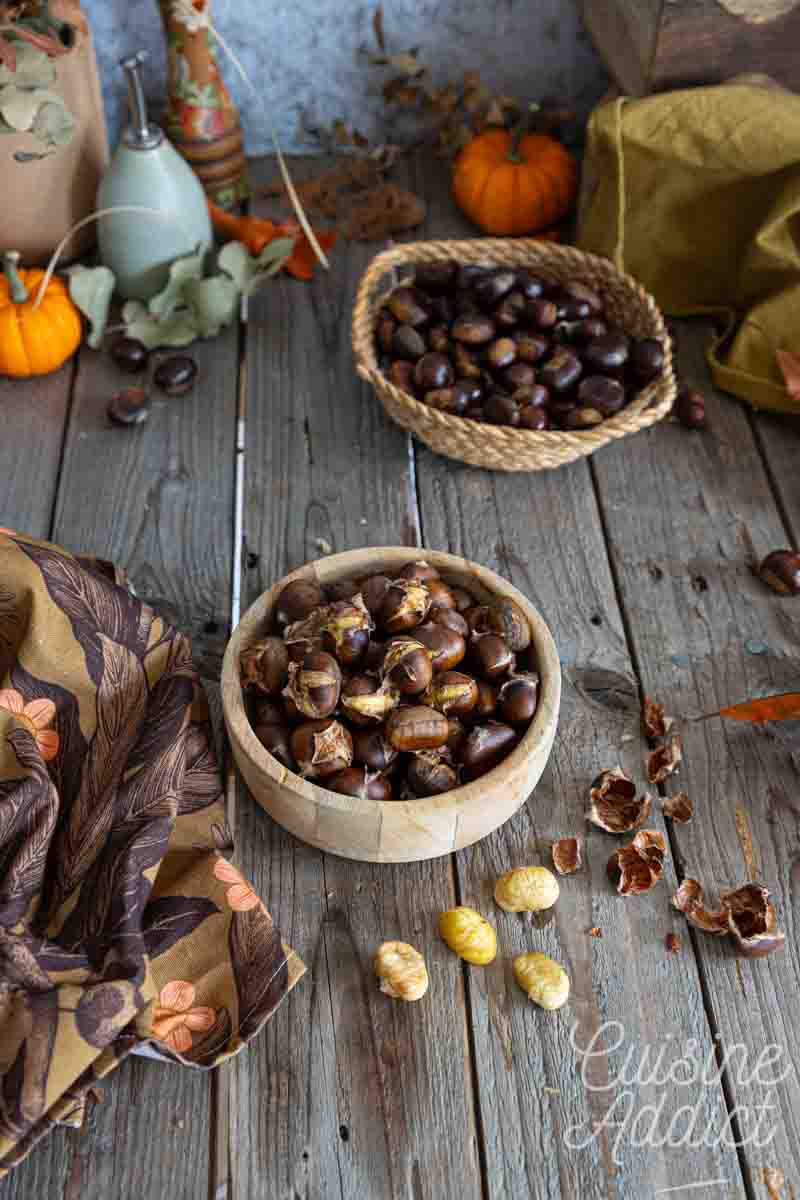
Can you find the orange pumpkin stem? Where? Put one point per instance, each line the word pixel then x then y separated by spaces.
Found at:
pixel 19 293
pixel 522 127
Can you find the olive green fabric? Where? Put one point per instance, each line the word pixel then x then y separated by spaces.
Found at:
pixel 696 194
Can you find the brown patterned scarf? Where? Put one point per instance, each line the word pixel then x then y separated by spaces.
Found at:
pixel 121 923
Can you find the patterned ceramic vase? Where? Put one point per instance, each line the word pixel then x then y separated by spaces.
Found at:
pixel 201 119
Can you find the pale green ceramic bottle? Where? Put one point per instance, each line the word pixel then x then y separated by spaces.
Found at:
pixel 148 172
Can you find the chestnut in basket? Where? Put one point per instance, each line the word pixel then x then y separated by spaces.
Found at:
pixel 475 337
pixel 358 681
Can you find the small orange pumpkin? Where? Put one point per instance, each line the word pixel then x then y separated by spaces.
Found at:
pixel 513 185
pixel 35 340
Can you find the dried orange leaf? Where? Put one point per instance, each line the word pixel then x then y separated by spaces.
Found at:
pixel 613 803
pixel 665 760
pixel 679 807
pixel 752 921
pixel 567 855
pixel 595 931
pixel 655 722
pixel 689 899
pixel 377 29
pixel 784 706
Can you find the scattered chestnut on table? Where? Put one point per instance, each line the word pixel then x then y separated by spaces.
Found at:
pixel 389 688
pixel 780 571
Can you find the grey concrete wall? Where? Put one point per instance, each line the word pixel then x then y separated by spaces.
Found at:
pixel 306 56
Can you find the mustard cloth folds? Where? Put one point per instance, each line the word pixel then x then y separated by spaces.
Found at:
pixel 696 193
pixel 121 919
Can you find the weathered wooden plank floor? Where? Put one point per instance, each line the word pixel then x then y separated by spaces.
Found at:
pixel 638 558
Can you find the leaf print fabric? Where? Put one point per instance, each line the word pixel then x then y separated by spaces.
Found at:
pixel 112 833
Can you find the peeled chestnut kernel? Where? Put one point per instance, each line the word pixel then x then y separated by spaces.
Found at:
pixel 508 621
pixel 265 666
pixel 531 347
pixel 408 343
pixel 420 571
pixel 561 371
pixel 449 619
pixel 373 592
pixel 372 749
pixel 365 785
pixel 518 698
pixel 401 374
pixel 492 656
pixel 407 665
pixel 406 306
pixel 417 728
pixel 486 705
pixel 452 693
pixel 346 630
pixel 606 352
pixel 275 739
pixel 430 773
pixel 366 702
pixel 606 396
pixel 314 685
pixel 433 371
pixel 501 353
pixel 445 647
pixel 435 277
pixel 485 746
pixel 297 600
pixel 405 605
pixel 501 409
pixel 473 328
pixel 780 571
pixel 646 359
pixel 690 408
pixel 321 748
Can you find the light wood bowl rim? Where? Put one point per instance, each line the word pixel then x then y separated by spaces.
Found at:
pixel 363 562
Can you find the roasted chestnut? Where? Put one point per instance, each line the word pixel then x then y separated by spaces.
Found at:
pixel 408 343
pixel 780 570
pixel 406 306
pixel 485 746
pixel 433 371
pixel 445 647
pixel 268 712
pixel 373 592
pixel 314 685
pixel 456 735
pixel 356 781
pixel 518 698
pixel 407 665
pixel 486 704
pixel 561 371
pixel 452 693
pixel 275 738
pixel 419 571
pixel 321 748
pixel 473 328
pixel 417 728
pixel 367 702
pixel 265 666
pixel 449 618
pixel 430 773
pixel 599 392
pixel 405 605
pixel 508 621
pixel 297 600
pixel 440 594
pixel 372 749
pixel 346 631
pixel 477 618
pixel 491 655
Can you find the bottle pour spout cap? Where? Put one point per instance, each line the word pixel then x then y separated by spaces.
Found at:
pixel 141 134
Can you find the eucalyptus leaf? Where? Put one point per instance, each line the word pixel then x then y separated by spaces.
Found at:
pixel 278 248
pixel 236 261
pixel 243 267
pixel 91 289
pixel 213 302
pixel 178 330
pixel 18 106
pixel 34 68
pixel 54 124
pixel 263 277
pixel 181 271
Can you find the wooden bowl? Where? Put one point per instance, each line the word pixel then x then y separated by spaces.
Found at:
pixel 399 830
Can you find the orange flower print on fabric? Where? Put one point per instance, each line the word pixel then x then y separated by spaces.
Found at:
pixel 175 1018
pixel 240 895
pixel 36 715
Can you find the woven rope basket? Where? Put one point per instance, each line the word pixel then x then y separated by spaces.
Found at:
pixel 498 447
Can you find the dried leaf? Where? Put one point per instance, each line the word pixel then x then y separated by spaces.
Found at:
pixel 678 808
pixel 665 760
pixel 655 722
pixel 54 124
pixel 567 855
pixel 33 69
pixel 178 330
pixel 789 364
pixel 386 210
pixel 613 803
pixel 784 706
pixel 689 900
pixel 400 91
pixel 181 272
pixel 91 289
pixel 595 931
pixel 213 303
pixel 407 62
pixel 19 106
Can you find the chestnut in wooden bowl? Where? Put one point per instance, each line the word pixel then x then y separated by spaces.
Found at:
pixel 396 830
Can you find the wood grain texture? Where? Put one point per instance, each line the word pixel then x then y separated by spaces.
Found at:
pixel 366 1086
pixel 33 414
pixel 680 510
pixel 157 500
pixel 779 441
pixel 543 533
